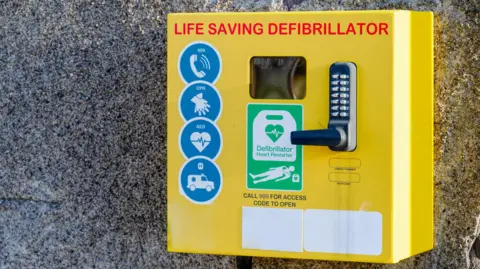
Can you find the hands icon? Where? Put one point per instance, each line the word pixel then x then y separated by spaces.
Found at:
pixel 201 105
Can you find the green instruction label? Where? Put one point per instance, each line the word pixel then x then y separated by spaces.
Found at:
pixel 273 163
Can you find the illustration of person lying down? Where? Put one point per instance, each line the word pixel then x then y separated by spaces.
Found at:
pixel 274 173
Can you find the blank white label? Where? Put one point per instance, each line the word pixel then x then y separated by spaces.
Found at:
pixel 272 229
pixel 343 232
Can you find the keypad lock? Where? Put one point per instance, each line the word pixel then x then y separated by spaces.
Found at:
pixel 341 134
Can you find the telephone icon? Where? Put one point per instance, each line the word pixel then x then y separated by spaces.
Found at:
pixel 204 62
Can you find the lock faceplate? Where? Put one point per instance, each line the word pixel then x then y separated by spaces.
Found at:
pixel 343 104
pixel 341 134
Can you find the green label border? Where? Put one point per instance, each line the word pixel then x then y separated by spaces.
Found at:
pixel 249 142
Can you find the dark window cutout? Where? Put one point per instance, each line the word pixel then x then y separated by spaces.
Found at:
pixel 278 77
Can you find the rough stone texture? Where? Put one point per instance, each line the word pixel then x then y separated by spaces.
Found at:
pixel 82 133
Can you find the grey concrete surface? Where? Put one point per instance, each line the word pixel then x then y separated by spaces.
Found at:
pixel 82 133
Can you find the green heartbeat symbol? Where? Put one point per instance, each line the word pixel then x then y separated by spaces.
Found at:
pixel 274 132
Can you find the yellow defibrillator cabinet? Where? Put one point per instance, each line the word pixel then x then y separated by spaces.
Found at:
pixel 301 134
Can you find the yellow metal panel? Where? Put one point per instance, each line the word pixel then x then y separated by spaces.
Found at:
pixel 422 132
pixel 383 181
pixel 401 137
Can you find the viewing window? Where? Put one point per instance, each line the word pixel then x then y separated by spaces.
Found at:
pixel 278 77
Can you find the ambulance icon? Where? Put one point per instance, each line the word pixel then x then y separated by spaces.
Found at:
pixel 199 182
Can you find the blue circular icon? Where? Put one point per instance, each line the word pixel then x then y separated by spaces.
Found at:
pixel 200 180
pixel 200 99
pixel 200 137
pixel 199 61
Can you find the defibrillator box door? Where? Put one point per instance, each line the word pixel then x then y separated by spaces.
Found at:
pixel 301 134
